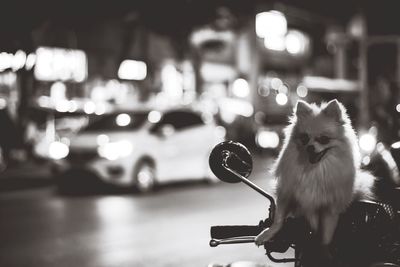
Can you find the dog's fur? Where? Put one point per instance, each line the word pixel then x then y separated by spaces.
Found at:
pixel 318 169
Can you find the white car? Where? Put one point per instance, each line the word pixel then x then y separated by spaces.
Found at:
pixel 142 148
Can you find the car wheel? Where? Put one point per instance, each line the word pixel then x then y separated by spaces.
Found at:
pixel 144 177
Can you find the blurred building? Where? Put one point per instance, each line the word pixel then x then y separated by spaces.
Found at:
pixel 246 62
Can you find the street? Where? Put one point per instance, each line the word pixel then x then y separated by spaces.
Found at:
pixel 170 227
pixel 101 102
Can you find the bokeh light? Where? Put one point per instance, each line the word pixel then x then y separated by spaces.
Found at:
pixel 123 119
pixel 281 99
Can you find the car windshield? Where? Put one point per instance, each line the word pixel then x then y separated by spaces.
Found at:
pixel 118 122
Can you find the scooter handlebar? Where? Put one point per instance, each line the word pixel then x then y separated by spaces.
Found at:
pixel 236 234
pixel 232 231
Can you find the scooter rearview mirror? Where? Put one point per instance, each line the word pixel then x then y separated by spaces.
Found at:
pixel 233 155
pixel 231 162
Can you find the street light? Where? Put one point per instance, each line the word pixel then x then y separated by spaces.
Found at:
pixel 240 88
pixel 271 23
pixel 295 42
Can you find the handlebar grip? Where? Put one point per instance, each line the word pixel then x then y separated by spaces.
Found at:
pixel 230 231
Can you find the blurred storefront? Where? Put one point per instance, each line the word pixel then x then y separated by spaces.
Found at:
pixel 254 72
pixel 246 66
pixel 9 92
pixel 11 137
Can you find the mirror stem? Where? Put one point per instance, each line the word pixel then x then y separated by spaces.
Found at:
pixel 256 188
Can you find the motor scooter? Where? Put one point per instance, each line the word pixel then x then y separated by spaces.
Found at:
pixel 367 235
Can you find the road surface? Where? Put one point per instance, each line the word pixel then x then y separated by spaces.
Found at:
pixel 170 227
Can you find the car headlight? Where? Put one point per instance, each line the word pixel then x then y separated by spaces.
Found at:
pixel 367 142
pixel 267 139
pixel 58 150
pixel 115 150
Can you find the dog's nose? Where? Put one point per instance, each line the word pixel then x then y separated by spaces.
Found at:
pixel 310 149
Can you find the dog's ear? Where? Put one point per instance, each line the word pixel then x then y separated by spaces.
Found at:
pixel 302 109
pixel 334 110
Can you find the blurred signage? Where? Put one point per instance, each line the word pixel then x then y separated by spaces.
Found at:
pixel 317 83
pixel 213 45
pixel 12 61
pixel 215 72
pixel 207 34
pixel 58 64
pixel 132 70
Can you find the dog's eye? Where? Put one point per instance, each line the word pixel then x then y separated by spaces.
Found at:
pixel 323 140
pixel 304 138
